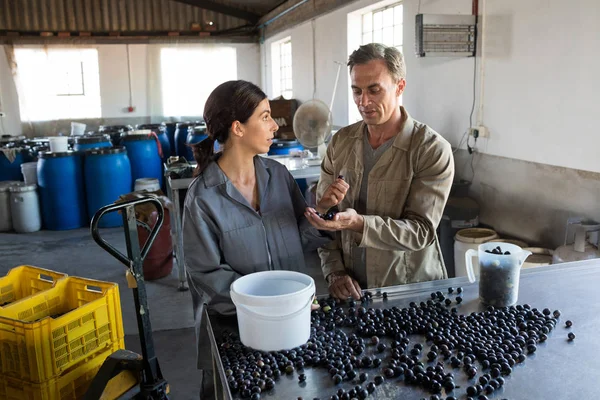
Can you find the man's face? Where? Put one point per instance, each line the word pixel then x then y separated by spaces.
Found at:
pixel 375 92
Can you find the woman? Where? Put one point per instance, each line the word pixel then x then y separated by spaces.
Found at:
pixel 243 213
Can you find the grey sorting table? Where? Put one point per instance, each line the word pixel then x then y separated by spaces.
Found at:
pixel 558 370
pixel 175 185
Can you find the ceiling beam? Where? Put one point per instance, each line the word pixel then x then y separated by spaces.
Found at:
pixel 223 9
pixel 295 12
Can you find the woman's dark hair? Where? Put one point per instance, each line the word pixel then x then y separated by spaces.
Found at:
pixel 230 101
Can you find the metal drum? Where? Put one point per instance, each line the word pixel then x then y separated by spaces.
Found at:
pixel 60 181
pixel 143 152
pixel 196 134
pixel 107 173
pixel 91 142
pixel 25 208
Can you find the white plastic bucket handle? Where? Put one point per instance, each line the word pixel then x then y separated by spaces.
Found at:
pixel 270 317
pixel 469 263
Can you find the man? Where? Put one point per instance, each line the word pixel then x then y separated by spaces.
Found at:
pixel 397 173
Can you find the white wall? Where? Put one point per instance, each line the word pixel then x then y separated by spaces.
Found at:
pixel 11 123
pixel 114 88
pixel 540 80
pixel 540 76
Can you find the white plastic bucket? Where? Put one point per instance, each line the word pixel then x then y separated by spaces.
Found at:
pixel 467 239
pixel 58 144
pixel 77 129
pixel 149 184
pixel 29 171
pixel 273 309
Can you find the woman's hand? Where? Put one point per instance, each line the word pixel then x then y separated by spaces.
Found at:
pixel 333 195
pixel 315 304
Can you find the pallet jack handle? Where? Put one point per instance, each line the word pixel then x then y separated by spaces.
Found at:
pixel 153 386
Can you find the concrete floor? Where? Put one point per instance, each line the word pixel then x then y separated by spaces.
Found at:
pixel 76 254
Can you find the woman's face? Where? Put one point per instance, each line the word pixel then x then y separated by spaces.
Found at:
pixel 260 129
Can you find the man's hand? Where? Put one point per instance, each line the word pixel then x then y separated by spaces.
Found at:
pixel 347 219
pixel 342 286
pixel 333 195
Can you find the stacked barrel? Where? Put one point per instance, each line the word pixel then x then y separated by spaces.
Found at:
pixel 64 188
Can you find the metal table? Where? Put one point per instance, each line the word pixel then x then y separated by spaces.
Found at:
pixel 175 185
pixel 558 370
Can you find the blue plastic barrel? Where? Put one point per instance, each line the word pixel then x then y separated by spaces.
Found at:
pixel 91 142
pixel 142 150
pixel 115 132
pixel 181 139
pixel 196 134
pixel 284 147
pixel 107 174
pixel 62 194
pixel 10 168
pixel 169 128
pixel 159 131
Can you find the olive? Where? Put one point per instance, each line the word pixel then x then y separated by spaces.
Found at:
pixel 379 379
pixel 568 324
pixel 571 336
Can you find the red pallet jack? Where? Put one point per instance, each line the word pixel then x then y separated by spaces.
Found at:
pixel 125 374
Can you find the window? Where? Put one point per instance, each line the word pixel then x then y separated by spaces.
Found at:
pixel 281 56
pixel 383 26
pixel 189 75
pixel 58 83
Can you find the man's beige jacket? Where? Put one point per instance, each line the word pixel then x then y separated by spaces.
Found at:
pixel 408 189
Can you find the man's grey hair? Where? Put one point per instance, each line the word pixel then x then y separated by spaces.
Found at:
pixel 375 51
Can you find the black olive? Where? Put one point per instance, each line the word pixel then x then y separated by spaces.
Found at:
pixel 458 299
pixel 379 380
pixel 450 290
pixel 255 396
pixel 568 323
pixel 301 378
pixel 363 377
pixel 571 336
pixel 459 290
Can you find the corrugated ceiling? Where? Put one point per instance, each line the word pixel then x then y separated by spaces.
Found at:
pixel 114 15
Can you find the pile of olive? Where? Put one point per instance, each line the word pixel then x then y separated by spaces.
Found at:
pixel 489 344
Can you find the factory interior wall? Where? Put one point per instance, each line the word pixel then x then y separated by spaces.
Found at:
pixel 535 170
pixel 114 89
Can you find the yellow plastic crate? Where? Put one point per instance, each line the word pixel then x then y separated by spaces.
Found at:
pixel 72 385
pixel 46 334
pixel 25 280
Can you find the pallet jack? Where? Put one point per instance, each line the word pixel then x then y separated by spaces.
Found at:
pixel 125 374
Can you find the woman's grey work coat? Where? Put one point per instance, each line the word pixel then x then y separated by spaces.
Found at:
pixel 225 238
